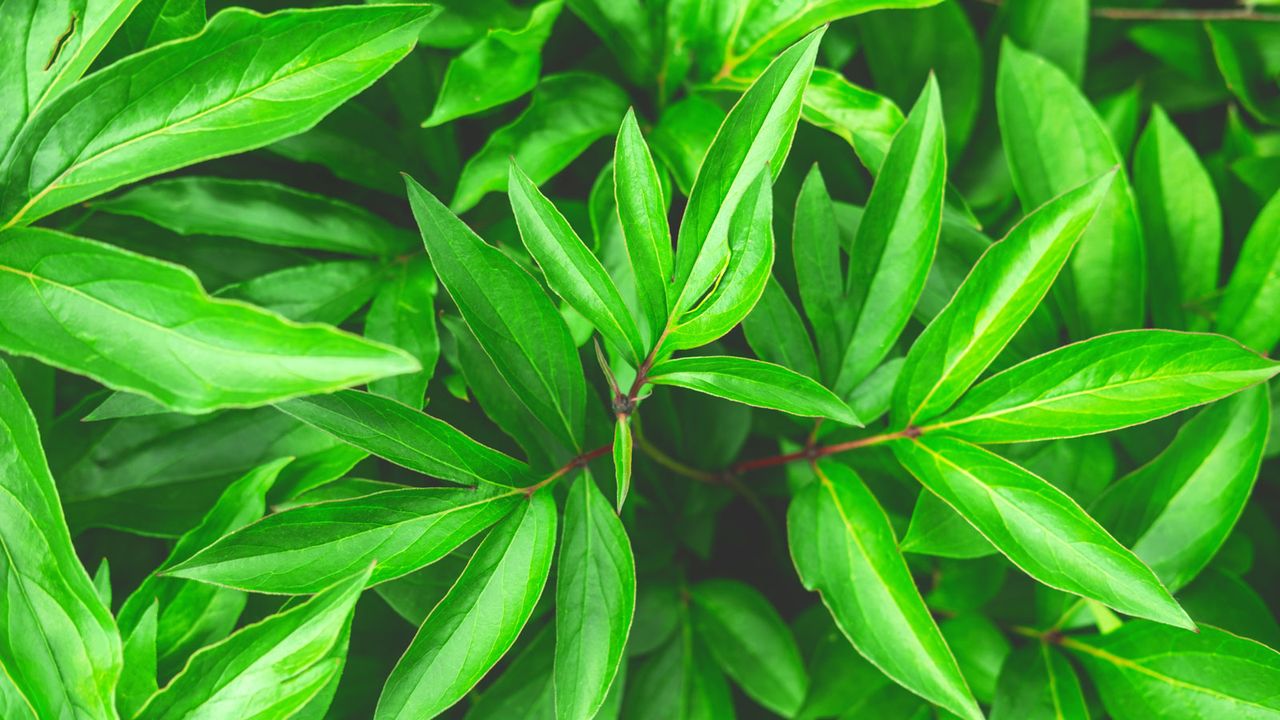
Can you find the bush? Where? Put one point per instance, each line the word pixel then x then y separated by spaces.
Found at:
pixel 738 407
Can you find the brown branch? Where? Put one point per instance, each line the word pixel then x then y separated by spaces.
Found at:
pixel 567 468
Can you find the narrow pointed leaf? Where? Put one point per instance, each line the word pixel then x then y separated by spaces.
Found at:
pixel 1038 683
pixel 138 675
pixel 776 333
pixel 478 620
pixel 753 382
pixel 815 248
pixel 1251 301
pixel 595 601
pixel 1038 527
pixel 844 548
pixel 622 458
pixel 403 314
pixel 1103 384
pixel 325 292
pixel 643 215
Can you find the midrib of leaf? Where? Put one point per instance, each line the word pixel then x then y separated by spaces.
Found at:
pixel 81 162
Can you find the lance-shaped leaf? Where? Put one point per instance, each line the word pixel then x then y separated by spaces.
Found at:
pixel 864 119
pixel 991 305
pixel 480 617
pixel 1038 527
pixel 1242 55
pixel 268 670
pixel 749 640
pixel 46 48
pixel 59 648
pixel 1103 384
pixel 304 550
pixel 936 529
pixel 1037 683
pixel 1176 511
pixel 192 615
pixel 245 81
pixel 815 248
pixel 153 22
pixel 1181 223
pixel 407 438
pixel 572 271
pixel 327 292
pixel 1054 140
pixel 622 447
pixel 844 548
pixel 403 314
pixel 777 334
pixel 643 215
pixel 738 289
pixel 595 601
pixel 896 239
pixel 1251 301
pixel 138 673
pixel 756 133
pixel 1144 670
pixel 756 383
pixel 568 113
pixel 262 212
pixel 679 680
pixel 146 326
pixel 512 318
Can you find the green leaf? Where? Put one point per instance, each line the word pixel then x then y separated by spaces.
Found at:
pixel 844 548
pixel 59 647
pixel 739 287
pixel 679 681
pixel 138 674
pixel 1057 32
pixel 778 335
pixel 980 649
pixel 46 48
pixel 567 114
pixel 192 615
pixel 625 28
pixel 896 240
pixel 1038 527
pixel 480 617
pixel 268 670
pixel 1225 601
pixel 1177 510
pixel 864 119
pixel 1103 384
pixel 1037 683
pixel 572 271
pixel 408 438
pixel 622 458
pixel 936 529
pixel 1181 223
pixel 512 318
pixel 753 382
pixel 403 315
pixel 815 249
pixel 139 117
pixel 682 136
pixel 643 215
pixel 301 551
pixel 327 292
pixel 1054 141
pixel 1145 670
pixel 142 325
pixel 992 304
pixel 1243 55
pixel 471 84
pixel 262 212
pixel 756 133
pixel 751 643
pixel 1251 301
pixel 153 22
pixel 595 601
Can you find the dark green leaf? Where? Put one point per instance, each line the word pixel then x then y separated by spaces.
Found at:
pixel 815 247
pixel 403 315
pixel 778 335
pixel 153 22
pixel 1037 683
pixel 327 292
pixel 753 382
pixel 1251 302
pixel 1056 31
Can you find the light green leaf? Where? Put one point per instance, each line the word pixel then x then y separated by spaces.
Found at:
pixel 622 458
pixel 512 318
pixel 265 77
pixel 751 249
pixel 153 22
pixel 936 529
pixel 480 617
pixel 753 382
pixel 572 271
pixel 327 292
pixel 992 304
pixel 138 675
pixel 1054 141
pixel 1177 510
pixel 755 134
pixel 1103 384
pixel 302 551
pixel 471 84
pixel 864 119
pixel 751 643
pixel 980 649
pixel 1181 223
pixel 1144 670
pixel 896 240
pixel 844 548
pixel 567 114
pixel 643 215
pixel 262 212
pixel 59 647
pixel 1056 31
pixel 815 249
pixel 1038 527
pixel 403 315
pixel 408 438
pixel 778 335
pixel 269 670
pixel 1038 683
pixel 142 325
pixel 1251 302
pixel 595 601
